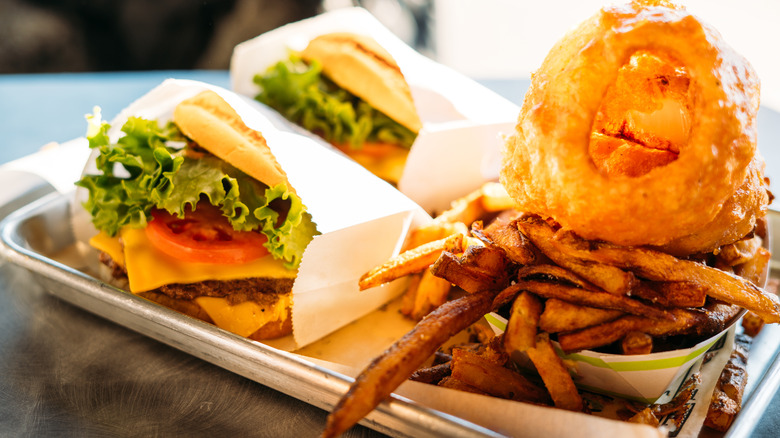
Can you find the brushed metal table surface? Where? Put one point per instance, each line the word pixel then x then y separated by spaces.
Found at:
pixel 66 372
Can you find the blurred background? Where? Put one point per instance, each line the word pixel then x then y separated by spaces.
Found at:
pixel 482 39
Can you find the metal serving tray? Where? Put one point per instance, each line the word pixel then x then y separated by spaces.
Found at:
pixel 36 237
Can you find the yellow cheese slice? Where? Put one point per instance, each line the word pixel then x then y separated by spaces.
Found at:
pixel 109 245
pixel 148 268
pixel 245 318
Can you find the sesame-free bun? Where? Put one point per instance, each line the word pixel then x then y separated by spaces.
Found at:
pixel 361 66
pixel 215 126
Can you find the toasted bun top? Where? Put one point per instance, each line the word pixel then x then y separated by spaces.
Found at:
pixel 214 125
pixel 361 66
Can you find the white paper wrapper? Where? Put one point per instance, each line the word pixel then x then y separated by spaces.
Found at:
pixel 463 122
pixel 363 220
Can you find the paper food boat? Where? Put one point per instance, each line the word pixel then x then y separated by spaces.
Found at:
pixel 647 378
pixel 362 220
pixel 458 147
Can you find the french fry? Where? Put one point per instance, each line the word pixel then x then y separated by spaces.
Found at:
pixel 506 236
pixel 671 293
pixel 609 278
pixel 752 324
pixel 495 197
pixel 547 272
pixel 398 362
pixel 493 379
pixel 754 269
pixel 479 268
pixel 740 251
pixel 466 209
pixel 658 266
pixel 431 293
pixel 433 231
pixel 410 295
pixel 453 383
pixel 554 374
pixel 520 334
pixel 562 316
pixel 726 399
pixel 636 342
pixel 409 262
pixel 645 416
pixel 433 374
pixel 602 300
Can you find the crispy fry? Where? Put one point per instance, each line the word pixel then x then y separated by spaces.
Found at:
pixel 658 266
pixel 493 379
pixel 754 269
pixel 432 292
pixel 414 260
pixel 610 278
pixel 495 197
pixel 645 416
pixel 432 374
pixel 466 209
pixel 452 383
pixel 609 332
pixel 520 334
pixel 739 252
pixel 561 316
pixel 636 342
pixel 598 299
pixel 506 236
pixel 553 272
pixel 671 293
pixel 410 295
pixel 433 231
pixel 726 400
pixel 398 362
pixel 752 324
pixel 480 268
pixel 554 374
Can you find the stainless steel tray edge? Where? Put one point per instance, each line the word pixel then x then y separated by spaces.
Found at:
pixel 274 368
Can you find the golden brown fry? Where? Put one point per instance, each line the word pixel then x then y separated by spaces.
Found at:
pixel 726 400
pixel 610 278
pixel 432 374
pixel 657 266
pixel 452 383
pixel 466 209
pixel 645 416
pixel 548 272
pixel 495 197
pixel 636 342
pixel 479 268
pixel 493 379
pixel 752 324
pixel 506 236
pixel 408 262
pixel 562 316
pixel 755 268
pixel 609 332
pixel 671 293
pixel 432 292
pixel 554 374
pixel 398 362
pixel 520 334
pixel 433 231
pixel 410 295
pixel 598 299
pixel 739 252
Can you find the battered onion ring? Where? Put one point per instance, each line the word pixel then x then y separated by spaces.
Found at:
pixel 547 168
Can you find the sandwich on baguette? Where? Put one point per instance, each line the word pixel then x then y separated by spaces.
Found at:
pixel 199 216
pixel 347 89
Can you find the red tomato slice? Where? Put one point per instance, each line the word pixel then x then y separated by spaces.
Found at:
pixel 204 236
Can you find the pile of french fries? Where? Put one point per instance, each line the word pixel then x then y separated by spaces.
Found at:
pixel 553 286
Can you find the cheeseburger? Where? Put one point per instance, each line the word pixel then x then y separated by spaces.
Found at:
pixel 348 90
pixel 199 216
